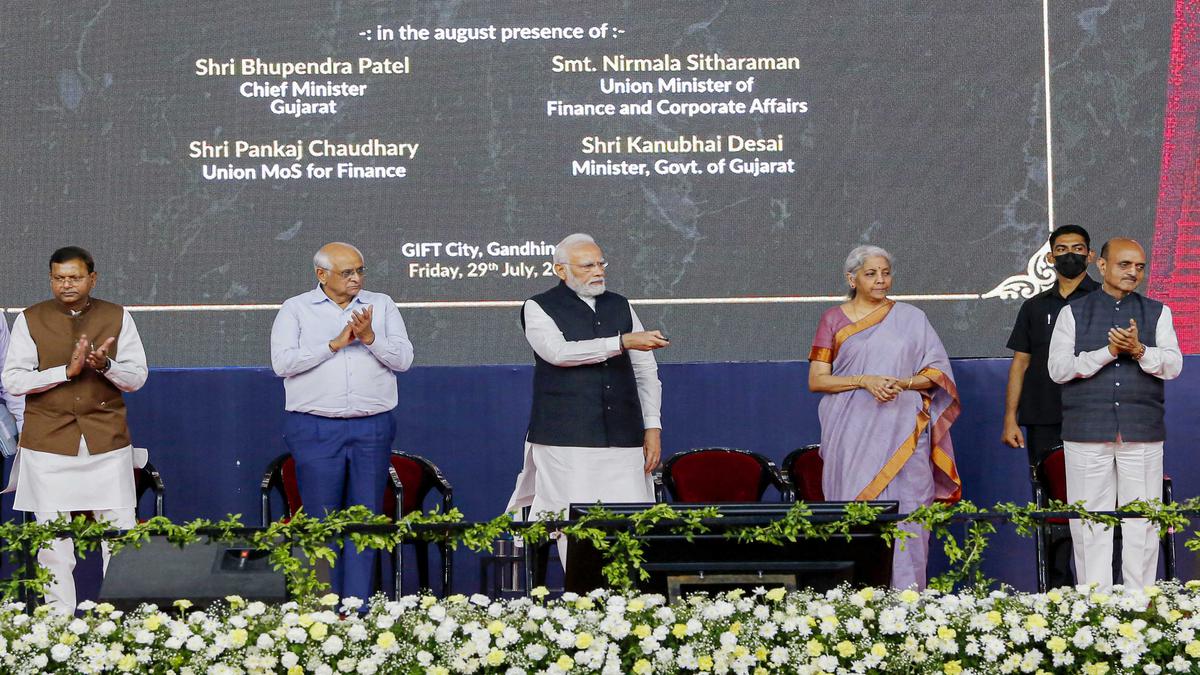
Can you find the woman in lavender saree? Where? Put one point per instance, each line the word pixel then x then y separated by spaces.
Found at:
pixel 889 402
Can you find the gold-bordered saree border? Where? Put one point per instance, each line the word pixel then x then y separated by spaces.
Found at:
pixel 940 432
pixel 828 354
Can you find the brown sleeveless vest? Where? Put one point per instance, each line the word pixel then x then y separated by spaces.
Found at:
pixel 88 405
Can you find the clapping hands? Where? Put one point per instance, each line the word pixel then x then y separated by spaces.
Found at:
pixel 360 323
pixel 358 328
pixel 1124 340
pixel 86 354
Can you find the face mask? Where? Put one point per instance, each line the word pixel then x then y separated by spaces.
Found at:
pixel 1070 265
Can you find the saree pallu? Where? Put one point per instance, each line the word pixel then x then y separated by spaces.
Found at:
pixel 899 450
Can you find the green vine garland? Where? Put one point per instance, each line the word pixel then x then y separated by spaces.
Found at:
pixel 293 546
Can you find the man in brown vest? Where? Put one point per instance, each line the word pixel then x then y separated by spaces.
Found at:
pixel 72 357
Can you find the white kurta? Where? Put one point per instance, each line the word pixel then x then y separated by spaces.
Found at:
pixel 553 477
pixel 46 482
pixel 84 482
pixel 1106 475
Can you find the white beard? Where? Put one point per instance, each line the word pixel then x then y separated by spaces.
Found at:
pixel 582 288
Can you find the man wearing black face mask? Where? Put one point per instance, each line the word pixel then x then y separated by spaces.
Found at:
pixel 1032 399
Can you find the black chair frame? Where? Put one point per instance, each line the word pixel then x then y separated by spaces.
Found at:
pixel 273 480
pixel 439 483
pixel 785 469
pixel 155 483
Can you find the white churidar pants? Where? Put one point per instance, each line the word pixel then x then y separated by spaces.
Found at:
pixel 1104 476
pixel 59 556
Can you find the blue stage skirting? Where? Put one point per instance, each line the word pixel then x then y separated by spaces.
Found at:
pixel 212 431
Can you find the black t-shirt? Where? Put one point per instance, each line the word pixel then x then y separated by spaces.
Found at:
pixel 1041 400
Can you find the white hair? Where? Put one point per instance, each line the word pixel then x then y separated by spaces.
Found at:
pixel 569 242
pixel 859 256
pixel 321 259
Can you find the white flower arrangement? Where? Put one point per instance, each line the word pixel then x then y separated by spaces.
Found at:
pixel 745 633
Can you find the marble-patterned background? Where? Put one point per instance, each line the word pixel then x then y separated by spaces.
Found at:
pixel 926 136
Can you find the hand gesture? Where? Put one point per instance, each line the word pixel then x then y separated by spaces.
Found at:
pixel 98 358
pixel 644 341
pixel 882 387
pixel 360 323
pixel 1012 436
pixel 343 338
pixel 75 365
pixel 1124 340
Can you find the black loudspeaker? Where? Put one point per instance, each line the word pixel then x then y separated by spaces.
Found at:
pixel 161 572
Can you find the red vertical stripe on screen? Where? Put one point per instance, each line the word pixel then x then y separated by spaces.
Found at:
pixel 1175 263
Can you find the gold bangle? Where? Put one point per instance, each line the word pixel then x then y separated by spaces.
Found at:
pixel 910 381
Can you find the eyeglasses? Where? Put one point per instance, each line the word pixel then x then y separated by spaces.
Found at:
pixel 346 274
pixel 59 280
pixel 592 266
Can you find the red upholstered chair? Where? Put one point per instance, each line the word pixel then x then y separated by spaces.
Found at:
pixel 1050 483
pixel 411 479
pixel 720 475
pixel 802 468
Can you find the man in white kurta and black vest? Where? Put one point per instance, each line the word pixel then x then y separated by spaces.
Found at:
pixel 595 428
pixel 72 357
pixel 1111 350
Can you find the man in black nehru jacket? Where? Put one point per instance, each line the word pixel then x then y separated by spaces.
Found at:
pixel 594 429
pixel 1112 350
